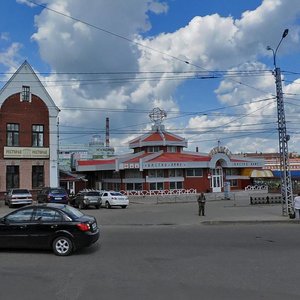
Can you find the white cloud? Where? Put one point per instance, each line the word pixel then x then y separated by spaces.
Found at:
pixel 211 42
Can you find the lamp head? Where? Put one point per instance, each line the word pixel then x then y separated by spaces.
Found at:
pixel 285 33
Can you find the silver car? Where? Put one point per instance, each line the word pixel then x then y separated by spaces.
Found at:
pixel 85 199
pixel 17 197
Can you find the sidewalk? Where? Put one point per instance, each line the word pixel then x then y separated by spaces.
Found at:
pixel 227 211
pixel 238 210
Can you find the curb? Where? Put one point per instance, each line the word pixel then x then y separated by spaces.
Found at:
pixel 230 222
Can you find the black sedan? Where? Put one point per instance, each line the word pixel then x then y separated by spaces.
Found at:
pixel 48 226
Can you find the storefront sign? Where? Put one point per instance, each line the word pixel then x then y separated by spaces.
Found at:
pixel 23 152
pixel 164 165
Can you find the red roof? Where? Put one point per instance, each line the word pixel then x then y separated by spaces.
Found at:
pixel 179 157
pixel 95 162
pixel 137 159
pixel 157 136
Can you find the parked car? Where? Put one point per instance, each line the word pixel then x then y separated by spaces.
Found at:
pixel 86 199
pixel 112 198
pixel 17 197
pixel 52 195
pixel 59 227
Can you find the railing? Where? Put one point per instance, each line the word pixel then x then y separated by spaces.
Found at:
pixel 159 192
pixel 256 188
pixel 262 199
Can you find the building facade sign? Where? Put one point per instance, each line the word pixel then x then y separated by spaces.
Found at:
pixel 26 152
pixel 164 165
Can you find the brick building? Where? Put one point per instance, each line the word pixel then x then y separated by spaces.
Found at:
pixel 28 133
pixel 159 162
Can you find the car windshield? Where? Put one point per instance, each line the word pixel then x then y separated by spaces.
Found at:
pixel 58 191
pixel 71 211
pixel 116 194
pixel 21 191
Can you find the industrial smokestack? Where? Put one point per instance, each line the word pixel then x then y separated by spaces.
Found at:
pixel 107 133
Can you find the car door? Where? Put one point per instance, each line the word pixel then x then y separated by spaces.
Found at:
pixel 104 197
pixel 15 229
pixel 45 223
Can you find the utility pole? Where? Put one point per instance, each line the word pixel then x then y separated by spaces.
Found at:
pixel 286 182
pixel 58 177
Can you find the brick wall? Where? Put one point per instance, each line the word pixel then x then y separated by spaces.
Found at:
pixel 25 114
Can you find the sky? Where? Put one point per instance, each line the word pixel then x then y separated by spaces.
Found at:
pixel 204 63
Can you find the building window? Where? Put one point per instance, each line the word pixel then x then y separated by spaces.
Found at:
pixel 232 172
pixel 194 172
pixel 12 134
pixel 233 182
pixel 133 174
pixel 37 135
pixel 12 177
pixel 153 149
pixel 155 186
pixel 134 186
pixel 25 93
pixel 171 149
pixel 156 173
pixel 176 185
pixel 37 176
pixel 175 173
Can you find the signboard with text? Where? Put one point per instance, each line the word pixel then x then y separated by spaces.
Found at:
pixel 26 152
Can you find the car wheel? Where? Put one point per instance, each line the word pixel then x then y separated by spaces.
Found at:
pixel 124 206
pixel 107 204
pixel 10 205
pixel 62 246
pixel 81 205
pixel 97 206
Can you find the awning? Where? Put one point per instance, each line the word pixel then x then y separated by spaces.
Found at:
pixel 252 173
pixel 295 174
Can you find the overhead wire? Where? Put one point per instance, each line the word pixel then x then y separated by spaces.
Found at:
pixel 158 51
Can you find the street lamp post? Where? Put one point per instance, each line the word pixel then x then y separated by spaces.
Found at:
pixel 286 183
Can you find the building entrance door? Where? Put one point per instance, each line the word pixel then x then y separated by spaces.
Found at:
pixel 217 180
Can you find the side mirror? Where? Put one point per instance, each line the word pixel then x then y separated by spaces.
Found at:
pixel 3 220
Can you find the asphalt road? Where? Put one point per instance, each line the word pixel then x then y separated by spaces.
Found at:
pixel 258 261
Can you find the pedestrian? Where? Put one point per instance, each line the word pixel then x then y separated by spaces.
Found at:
pixel 297 206
pixel 201 203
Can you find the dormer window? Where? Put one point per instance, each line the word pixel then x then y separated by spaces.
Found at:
pixel 153 149
pixel 171 149
pixel 25 93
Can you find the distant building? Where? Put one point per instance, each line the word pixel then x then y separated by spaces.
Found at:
pixel 28 133
pixel 272 164
pixel 159 162
pixel 70 153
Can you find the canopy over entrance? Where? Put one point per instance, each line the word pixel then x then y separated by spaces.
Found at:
pixel 257 173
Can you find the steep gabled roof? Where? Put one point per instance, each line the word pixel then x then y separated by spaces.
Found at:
pixel 158 138
pixel 23 76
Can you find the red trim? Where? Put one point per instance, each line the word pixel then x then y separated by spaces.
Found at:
pixel 95 162
pixel 179 157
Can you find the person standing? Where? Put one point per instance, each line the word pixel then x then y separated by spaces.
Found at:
pixel 297 206
pixel 201 204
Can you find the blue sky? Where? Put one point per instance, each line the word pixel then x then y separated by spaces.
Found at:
pixel 151 39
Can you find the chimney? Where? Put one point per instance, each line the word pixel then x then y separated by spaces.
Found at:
pixel 107 133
